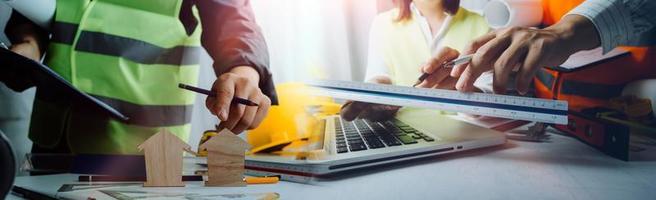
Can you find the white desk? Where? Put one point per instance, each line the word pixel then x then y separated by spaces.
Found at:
pixel 562 169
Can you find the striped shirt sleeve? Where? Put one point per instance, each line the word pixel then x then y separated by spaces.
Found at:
pixel 621 22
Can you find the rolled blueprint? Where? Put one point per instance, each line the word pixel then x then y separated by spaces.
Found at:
pixel 40 12
pixel 644 89
pixel 507 13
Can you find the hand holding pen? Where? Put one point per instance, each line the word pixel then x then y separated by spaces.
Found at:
pixel 213 94
pixel 236 99
pixel 436 73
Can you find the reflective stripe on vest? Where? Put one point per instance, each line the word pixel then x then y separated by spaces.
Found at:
pixel 130 49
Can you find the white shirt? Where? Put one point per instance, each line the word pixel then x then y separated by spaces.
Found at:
pixel 621 22
pixel 376 65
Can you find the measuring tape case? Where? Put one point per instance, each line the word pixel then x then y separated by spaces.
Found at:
pixel 617 140
pixel 593 86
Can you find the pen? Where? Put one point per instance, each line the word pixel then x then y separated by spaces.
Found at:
pixel 459 61
pixel 213 94
pixel 109 178
pixel 3 45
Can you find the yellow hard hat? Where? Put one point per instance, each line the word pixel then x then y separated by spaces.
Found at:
pixel 292 119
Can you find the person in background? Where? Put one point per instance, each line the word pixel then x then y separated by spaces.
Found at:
pixel 594 23
pixel 412 39
pixel 132 55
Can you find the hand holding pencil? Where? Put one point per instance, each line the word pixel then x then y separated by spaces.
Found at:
pixel 436 72
pixel 213 94
pixel 236 99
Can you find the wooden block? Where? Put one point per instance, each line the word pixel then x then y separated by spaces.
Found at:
pixel 163 154
pixel 225 159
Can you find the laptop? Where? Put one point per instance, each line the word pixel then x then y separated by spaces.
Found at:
pixel 342 145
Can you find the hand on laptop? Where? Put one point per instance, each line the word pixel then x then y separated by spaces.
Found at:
pixel 371 111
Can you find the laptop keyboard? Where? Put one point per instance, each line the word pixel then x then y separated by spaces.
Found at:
pixel 362 134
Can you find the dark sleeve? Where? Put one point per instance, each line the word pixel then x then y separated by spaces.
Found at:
pixel 19 26
pixel 12 74
pixel 232 38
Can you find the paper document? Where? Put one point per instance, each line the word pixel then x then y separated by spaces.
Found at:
pixel 585 58
pixel 130 191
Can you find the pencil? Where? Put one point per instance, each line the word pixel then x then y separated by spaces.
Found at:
pixel 262 180
pixel 110 178
pixel 459 61
pixel 213 94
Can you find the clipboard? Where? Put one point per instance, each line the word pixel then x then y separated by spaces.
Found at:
pixel 583 59
pixel 43 77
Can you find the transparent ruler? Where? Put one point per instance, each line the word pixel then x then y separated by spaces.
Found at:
pixel 494 105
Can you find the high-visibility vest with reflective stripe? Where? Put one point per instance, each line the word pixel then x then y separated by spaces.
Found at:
pixel 129 54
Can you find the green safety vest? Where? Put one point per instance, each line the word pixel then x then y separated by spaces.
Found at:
pixel 128 54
